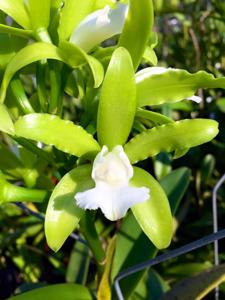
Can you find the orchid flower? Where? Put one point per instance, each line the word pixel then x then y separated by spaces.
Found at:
pixel 112 193
pixel 99 26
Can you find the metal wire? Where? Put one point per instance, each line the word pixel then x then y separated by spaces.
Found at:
pixel 41 217
pixel 215 226
pixel 164 257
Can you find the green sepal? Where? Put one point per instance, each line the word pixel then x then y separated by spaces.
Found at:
pixel 138 28
pixel 171 137
pixel 117 103
pixel 72 13
pixel 153 215
pixel 51 130
pixel 63 215
pixel 39 11
pixel 160 85
pixel 68 53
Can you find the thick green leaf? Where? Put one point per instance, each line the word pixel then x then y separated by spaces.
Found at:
pixel 181 177
pixel 160 85
pixel 39 11
pixel 154 215
pixel 170 137
pixel 63 215
pixel 117 104
pixel 51 130
pixel 72 13
pixel 65 291
pixel 197 286
pixel 68 53
pixel 133 246
pixel 6 124
pixel 138 28
pixel 16 10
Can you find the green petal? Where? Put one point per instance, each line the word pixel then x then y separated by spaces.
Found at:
pixel 17 11
pixel 159 85
pixel 117 103
pixel 137 29
pixel 39 11
pixel 51 130
pixel 154 215
pixel 171 137
pixel 68 53
pixel 63 215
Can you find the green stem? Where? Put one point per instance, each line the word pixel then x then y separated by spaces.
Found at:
pixel 55 82
pixel 89 231
pixel 16 31
pixel 41 88
pixel 20 96
pixel 55 75
pixel 13 193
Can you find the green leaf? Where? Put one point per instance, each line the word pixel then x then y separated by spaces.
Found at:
pixel 154 215
pixel 6 124
pixel 138 28
pixel 17 11
pixel 69 54
pixel 169 137
pixel 39 11
pixel 9 162
pixel 51 130
pixel 63 215
pixel 64 291
pixel 197 286
pixel 117 104
pixel 78 265
pixel 181 177
pixel 152 116
pixel 73 12
pixel 160 85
